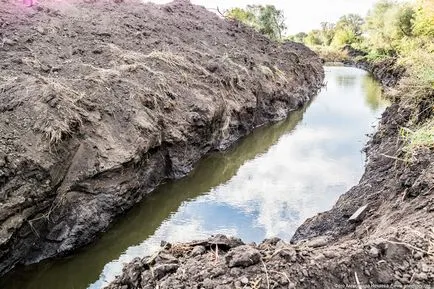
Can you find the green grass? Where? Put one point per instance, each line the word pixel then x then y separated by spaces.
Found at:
pixel 422 136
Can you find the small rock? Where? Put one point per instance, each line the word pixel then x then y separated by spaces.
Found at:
pixel 208 283
pixel 235 271
pixel 198 250
pixel 40 30
pixel 374 252
pixel 367 273
pixel 425 268
pixel 243 256
pixel 288 254
pixel 163 270
pixel 384 277
pixel 394 251
pixel 45 68
pixel 224 242
pixel 166 258
pixel 272 241
pixel 318 242
pixel 8 41
pixel 406 276
pixel 418 255
pixel 244 280
pixel 421 276
pixel 218 271
pixel 305 273
pixel 330 254
pixel 165 245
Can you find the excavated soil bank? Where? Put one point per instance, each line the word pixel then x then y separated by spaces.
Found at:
pixel 101 102
pixel 389 245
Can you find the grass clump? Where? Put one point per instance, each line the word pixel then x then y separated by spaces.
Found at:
pixel 423 136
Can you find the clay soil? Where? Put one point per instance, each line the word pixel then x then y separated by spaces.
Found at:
pixel 101 101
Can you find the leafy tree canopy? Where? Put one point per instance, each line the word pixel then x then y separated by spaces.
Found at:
pixel 267 19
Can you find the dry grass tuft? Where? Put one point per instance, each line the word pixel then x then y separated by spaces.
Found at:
pixel 172 60
pixel 59 113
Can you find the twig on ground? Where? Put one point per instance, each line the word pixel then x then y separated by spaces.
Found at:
pixel 410 246
pixel 266 274
pixel 357 280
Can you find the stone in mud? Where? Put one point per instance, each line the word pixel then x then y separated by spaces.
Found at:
pixel 318 242
pixel 162 270
pixel 225 242
pixel 243 256
pixel 198 250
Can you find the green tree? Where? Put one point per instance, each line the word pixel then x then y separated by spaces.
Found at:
pixel 268 20
pixel 327 32
pixel 343 37
pixel 423 24
pixel 351 22
pixel 381 26
pixel 299 37
pixel 313 38
pixel 272 22
pixel 245 16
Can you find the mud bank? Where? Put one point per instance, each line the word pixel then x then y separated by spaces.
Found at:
pixel 391 243
pixel 385 71
pixel 101 102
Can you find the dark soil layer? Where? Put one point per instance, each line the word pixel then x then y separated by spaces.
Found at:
pixel 385 71
pixel 101 102
pixel 389 245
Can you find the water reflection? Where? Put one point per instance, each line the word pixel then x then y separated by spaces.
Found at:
pixel 265 186
pixel 373 91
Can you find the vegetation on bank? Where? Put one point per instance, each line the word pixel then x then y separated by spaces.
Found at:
pixel 399 31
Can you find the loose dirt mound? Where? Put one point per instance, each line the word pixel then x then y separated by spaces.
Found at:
pixel 100 102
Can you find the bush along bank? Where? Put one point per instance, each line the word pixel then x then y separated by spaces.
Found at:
pixel 101 102
pixel 379 233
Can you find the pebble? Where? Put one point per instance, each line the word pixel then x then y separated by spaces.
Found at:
pixel 374 252
pixel 198 250
pixel 421 276
pixel 40 30
pixel 244 281
pixel 8 41
pixel 425 267
pixel 418 255
pixel 330 254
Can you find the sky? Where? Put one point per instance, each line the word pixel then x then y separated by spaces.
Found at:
pixel 301 15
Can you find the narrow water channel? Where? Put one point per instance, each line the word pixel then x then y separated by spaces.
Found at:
pixel 265 186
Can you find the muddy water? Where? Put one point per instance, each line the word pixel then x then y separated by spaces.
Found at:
pixel 264 186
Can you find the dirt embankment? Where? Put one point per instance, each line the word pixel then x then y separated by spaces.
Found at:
pixel 100 102
pixel 389 245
